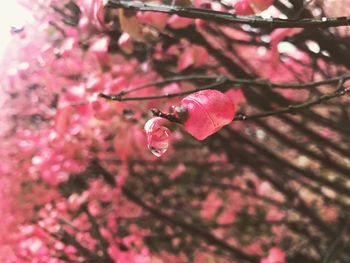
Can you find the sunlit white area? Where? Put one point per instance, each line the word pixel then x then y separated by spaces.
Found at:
pixel 12 15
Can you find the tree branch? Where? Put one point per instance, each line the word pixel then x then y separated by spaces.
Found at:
pixel 68 239
pixel 190 228
pixel 95 230
pixel 223 17
pixel 219 84
pixel 340 91
pixel 163 82
pixel 220 80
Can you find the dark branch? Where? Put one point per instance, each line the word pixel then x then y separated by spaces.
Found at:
pixel 189 227
pixel 340 91
pixel 223 17
pixel 219 84
pixel 220 80
pixel 96 233
pixel 170 117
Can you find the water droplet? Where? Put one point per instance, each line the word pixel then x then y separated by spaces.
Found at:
pixel 158 140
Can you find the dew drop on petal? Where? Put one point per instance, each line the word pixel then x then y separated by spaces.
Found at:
pixel 158 140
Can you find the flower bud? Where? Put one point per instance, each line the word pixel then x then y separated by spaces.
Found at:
pixel 207 112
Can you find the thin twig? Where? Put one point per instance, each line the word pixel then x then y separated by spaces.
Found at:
pixel 220 80
pixel 170 117
pixel 167 81
pixel 119 97
pixel 340 91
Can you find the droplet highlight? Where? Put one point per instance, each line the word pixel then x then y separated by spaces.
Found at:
pixel 157 136
pixel 158 141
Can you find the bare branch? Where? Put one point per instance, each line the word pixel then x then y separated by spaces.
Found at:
pixel 223 17
pixel 340 91
pixel 220 80
pixel 219 84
